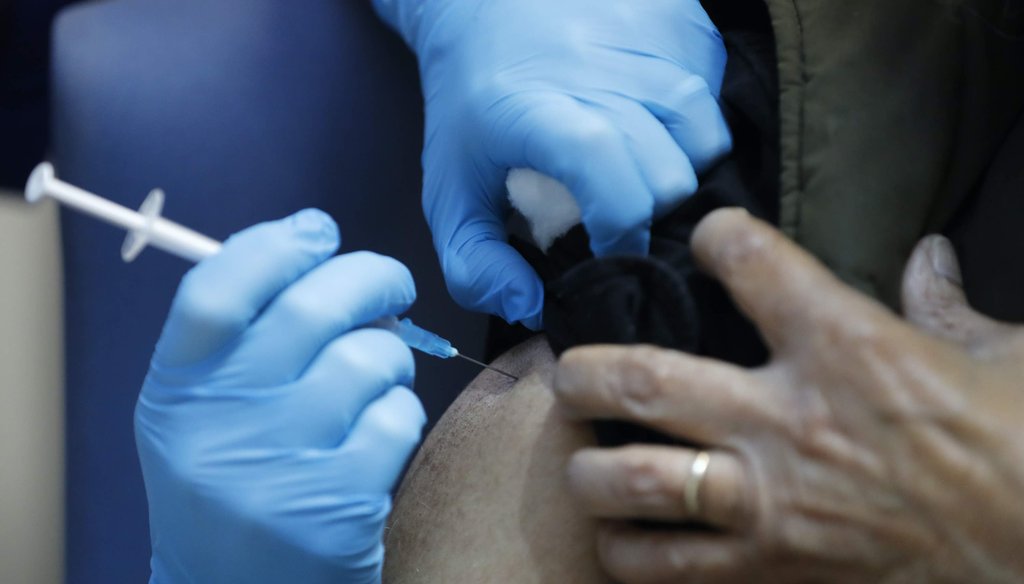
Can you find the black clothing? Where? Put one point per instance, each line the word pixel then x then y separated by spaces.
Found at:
pixel 662 299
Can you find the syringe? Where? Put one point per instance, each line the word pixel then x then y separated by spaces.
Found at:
pixel 427 342
pixel 146 227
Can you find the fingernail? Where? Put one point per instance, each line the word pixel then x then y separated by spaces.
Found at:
pixel 317 224
pixel 943 259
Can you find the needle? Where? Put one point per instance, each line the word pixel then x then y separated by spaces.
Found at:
pixel 486 366
pixel 147 227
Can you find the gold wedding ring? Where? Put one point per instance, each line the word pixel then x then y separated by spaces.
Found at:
pixel 691 490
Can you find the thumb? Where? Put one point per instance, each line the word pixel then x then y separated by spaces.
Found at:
pixel 486 274
pixel 483 272
pixel 934 299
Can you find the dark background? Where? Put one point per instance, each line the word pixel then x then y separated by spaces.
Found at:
pixel 242 111
pixel 24 62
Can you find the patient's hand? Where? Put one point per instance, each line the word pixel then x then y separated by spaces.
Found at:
pixel 485 500
pixel 868 450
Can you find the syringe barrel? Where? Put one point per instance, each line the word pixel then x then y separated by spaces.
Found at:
pixel 181 241
pixel 417 338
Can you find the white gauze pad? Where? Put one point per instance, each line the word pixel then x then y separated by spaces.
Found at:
pixel 547 205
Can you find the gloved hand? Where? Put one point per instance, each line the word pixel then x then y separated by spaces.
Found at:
pixel 615 99
pixel 271 428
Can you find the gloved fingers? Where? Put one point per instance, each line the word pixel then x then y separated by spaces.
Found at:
pixel 382 440
pixel 341 294
pixel 650 482
pixel 219 298
pixel 319 409
pixel 667 171
pixel 571 142
pixel 700 51
pixel 689 110
pixel 482 271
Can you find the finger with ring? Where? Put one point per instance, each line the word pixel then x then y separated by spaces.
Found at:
pixel 662 483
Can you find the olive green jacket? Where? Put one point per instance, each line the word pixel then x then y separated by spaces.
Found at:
pixel 893 114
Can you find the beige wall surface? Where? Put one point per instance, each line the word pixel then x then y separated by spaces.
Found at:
pixel 31 395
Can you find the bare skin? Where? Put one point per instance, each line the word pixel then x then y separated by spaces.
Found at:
pixel 870 449
pixel 485 500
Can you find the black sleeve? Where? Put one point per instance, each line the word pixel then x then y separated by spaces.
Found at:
pixel 738 15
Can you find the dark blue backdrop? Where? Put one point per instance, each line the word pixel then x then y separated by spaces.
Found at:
pixel 242 111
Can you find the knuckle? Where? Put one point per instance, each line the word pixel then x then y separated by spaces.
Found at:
pixel 678 559
pixel 363 352
pixel 406 433
pixel 392 344
pixel 742 249
pixel 864 335
pixel 340 353
pixel 639 397
pixel 387 270
pixel 641 480
pixel 594 136
pixel 672 187
pixel 400 428
pixel 710 147
pixel 691 88
pixel 645 386
pixel 462 292
pixel 787 537
pixel 342 417
pixel 374 262
pixel 627 218
pixel 726 237
pixel 469 288
pixel 350 354
pixel 468 279
pixel 300 309
pixel 594 132
pixel 400 364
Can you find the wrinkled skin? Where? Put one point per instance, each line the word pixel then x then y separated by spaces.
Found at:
pixel 869 449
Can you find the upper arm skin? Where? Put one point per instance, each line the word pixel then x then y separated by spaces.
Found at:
pixel 485 500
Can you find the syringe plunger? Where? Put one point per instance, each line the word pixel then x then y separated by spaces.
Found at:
pixel 147 227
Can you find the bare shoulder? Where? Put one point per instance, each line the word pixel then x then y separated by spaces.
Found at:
pixel 485 499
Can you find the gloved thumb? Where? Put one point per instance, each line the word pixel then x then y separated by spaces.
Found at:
pixel 483 272
pixel 489 275
pixel 223 294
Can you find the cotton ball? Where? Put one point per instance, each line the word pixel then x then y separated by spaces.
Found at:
pixel 547 205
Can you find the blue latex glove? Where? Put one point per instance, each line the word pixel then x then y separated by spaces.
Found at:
pixel 271 429
pixel 615 99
